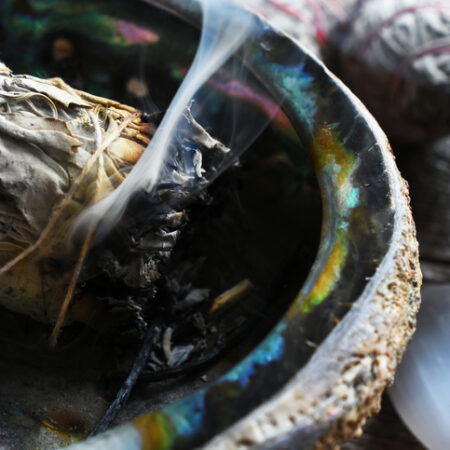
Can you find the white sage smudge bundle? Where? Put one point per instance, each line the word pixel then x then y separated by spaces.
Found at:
pixel 395 55
pixel 60 151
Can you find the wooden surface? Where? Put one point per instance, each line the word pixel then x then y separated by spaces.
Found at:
pixel 385 431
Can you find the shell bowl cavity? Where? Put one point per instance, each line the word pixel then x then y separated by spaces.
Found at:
pixel 329 331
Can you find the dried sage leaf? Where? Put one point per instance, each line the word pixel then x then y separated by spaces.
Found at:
pixel 49 136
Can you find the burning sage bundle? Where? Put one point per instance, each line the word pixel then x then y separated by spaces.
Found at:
pixel 62 150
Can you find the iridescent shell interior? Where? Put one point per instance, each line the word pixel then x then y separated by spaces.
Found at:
pixel 264 226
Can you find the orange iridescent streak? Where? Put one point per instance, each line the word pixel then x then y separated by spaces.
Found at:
pixel 328 276
pixel 154 432
pixel 331 157
pixel 327 150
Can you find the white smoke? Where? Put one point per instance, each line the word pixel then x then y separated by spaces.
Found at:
pixel 225 27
